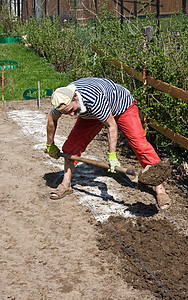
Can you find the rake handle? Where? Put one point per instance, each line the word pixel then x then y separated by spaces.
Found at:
pixel 97 163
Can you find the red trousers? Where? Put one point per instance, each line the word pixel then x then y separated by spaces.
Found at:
pixel 130 125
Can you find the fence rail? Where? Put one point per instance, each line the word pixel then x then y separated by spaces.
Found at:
pixel 169 133
pixel 157 84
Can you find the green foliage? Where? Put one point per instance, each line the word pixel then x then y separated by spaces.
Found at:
pixel 60 46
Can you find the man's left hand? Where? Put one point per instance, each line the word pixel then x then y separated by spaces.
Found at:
pixel 113 162
pixel 52 151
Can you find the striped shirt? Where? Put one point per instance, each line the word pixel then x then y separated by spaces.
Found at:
pixel 101 97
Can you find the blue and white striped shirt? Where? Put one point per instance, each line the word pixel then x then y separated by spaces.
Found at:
pixel 101 96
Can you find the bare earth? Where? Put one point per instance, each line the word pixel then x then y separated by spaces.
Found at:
pixel 106 241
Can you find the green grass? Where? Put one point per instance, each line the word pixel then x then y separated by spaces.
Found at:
pixel 31 69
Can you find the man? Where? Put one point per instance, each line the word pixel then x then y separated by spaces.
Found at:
pixel 98 102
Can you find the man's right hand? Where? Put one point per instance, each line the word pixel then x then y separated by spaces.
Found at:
pixel 113 161
pixel 52 150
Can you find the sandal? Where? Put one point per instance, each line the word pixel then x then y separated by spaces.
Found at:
pixel 163 201
pixel 60 193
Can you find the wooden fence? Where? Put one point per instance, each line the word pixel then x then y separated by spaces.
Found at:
pixel 84 9
pixel 157 84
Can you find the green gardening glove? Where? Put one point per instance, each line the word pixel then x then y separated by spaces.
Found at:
pixel 52 150
pixel 113 162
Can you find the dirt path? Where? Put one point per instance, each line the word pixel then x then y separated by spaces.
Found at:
pixel 62 249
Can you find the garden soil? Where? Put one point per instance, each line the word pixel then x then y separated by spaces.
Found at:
pixel 107 240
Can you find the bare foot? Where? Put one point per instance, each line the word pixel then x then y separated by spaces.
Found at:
pixel 163 199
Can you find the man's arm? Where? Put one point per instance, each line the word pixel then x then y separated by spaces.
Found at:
pixel 52 150
pixel 110 123
pixel 112 140
pixel 51 127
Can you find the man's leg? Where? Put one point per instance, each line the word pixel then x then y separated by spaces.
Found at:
pixel 69 167
pixel 81 135
pixel 130 125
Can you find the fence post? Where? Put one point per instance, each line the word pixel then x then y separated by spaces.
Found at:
pixel 184 6
pixel 27 10
pixel 18 7
pixel 122 12
pixel 144 82
pixel 38 9
pixel 34 8
pixel 148 33
pixel 75 10
pixel 135 8
pixel 45 8
pixel 3 84
pixel 96 9
pixel 158 15
pixel 38 102
pixel 58 8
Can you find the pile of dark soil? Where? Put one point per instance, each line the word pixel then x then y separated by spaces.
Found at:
pixel 158 244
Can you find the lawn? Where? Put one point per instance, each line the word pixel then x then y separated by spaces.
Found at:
pixel 31 69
